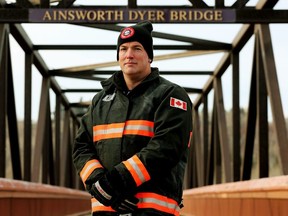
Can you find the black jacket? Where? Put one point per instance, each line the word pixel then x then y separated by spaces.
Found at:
pixel 144 134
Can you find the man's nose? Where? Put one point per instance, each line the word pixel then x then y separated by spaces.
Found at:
pixel 129 53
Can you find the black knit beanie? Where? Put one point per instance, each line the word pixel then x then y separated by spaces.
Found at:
pixel 140 32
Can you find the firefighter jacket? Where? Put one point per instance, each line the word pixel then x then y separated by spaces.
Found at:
pixel 145 134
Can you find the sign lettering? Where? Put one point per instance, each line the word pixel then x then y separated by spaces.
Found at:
pixel 129 15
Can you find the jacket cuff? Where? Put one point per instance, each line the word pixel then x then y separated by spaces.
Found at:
pixel 133 173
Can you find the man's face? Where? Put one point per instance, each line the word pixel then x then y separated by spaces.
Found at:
pixel 134 60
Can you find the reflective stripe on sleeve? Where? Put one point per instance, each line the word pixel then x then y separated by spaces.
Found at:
pixel 146 201
pixel 97 206
pixel 89 167
pixel 139 127
pixel 117 130
pixel 108 131
pixel 158 202
pixel 137 170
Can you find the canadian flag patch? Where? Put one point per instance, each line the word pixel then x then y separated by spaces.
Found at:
pixel 174 102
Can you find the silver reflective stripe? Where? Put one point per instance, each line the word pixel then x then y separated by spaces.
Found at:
pixel 139 127
pixel 160 203
pixel 137 170
pixel 103 193
pixel 94 204
pixel 108 131
pixel 88 168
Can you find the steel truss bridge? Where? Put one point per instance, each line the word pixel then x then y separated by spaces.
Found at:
pixel 219 173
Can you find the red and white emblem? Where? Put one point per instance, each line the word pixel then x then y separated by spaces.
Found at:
pixel 174 102
pixel 127 32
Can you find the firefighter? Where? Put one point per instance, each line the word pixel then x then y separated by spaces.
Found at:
pixel 132 144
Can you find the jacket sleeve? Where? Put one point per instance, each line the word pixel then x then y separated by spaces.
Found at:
pixel 172 136
pixel 84 155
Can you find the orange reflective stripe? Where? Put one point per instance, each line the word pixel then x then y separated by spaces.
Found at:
pixel 140 122
pixel 158 202
pixel 146 200
pixel 117 130
pixel 137 170
pixel 97 206
pixel 108 131
pixel 139 127
pixel 89 167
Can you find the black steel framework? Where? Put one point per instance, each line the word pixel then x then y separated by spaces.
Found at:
pixel 213 158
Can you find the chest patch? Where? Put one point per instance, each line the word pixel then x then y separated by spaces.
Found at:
pixel 109 97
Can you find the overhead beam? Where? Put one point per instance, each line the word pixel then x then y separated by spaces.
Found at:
pixel 219 4
pixel 110 72
pixel 80 90
pixel 65 3
pixel 132 3
pixel 156 58
pixel 86 90
pixel 240 4
pixel 198 4
pixel 166 36
pixel 114 47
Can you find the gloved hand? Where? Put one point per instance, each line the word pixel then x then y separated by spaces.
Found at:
pixel 108 190
pixel 103 191
pixel 126 205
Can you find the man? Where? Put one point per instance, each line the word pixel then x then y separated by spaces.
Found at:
pixel 132 144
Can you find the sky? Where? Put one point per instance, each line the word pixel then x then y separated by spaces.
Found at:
pixel 71 34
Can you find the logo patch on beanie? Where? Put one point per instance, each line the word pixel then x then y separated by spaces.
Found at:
pixel 127 33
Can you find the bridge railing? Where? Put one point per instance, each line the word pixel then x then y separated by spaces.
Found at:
pixel 34 199
pixel 265 197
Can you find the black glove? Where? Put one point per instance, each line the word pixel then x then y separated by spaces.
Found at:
pixel 126 205
pixel 103 191
pixel 109 190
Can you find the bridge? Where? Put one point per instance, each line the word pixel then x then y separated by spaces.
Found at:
pixel 238 162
